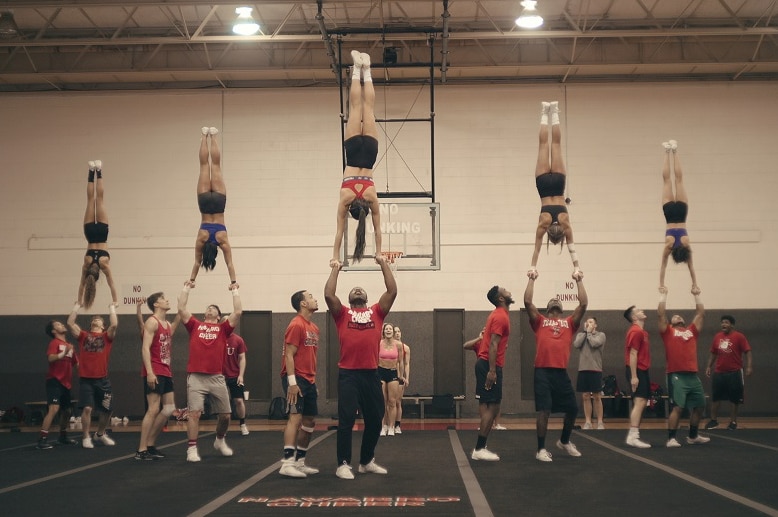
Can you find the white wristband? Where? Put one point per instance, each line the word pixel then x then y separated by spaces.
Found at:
pixel 235 292
pixel 292 380
pixel 76 306
pixel 662 297
pixel 697 299
pixel 112 309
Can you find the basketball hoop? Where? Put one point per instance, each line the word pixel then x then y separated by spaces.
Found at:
pixel 393 258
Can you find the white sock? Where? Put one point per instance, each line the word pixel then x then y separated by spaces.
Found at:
pixel 555 118
pixel 366 77
pixel 355 71
pixel 544 119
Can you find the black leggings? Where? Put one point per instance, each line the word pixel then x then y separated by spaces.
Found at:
pixel 359 390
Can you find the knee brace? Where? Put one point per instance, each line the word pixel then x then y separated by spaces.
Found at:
pixel 168 409
pixel 308 430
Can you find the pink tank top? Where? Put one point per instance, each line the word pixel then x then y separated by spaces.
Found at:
pixel 388 354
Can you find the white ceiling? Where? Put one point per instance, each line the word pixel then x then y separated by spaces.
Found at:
pixel 102 45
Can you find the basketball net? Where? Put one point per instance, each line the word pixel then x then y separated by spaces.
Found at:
pixel 393 258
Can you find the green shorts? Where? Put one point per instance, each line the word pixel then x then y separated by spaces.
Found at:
pixel 685 390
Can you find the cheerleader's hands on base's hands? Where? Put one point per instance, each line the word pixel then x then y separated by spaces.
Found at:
pixel 578 275
pixel 696 290
pixel 532 274
pixel 335 263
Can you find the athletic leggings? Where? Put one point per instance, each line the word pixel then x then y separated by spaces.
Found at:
pixel 359 390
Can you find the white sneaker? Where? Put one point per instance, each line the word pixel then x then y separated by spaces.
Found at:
pixel 204 130
pixel 484 454
pixel 105 439
pixel 397 430
pixel 344 471
pixel 600 426
pixel 302 467
pixel 356 57
pixel 569 448
pixel 633 440
pixel 673 145
pixel 91 168
pixel 98 165
pixel 384 430
pixel 372 468
pixel 213 131
pixel 220 444
pixel 544 107
pixel 553 107
pixel 289 469
pixel 86 443
pixel 587 426
pixel 365 60
pixel 390 431
pixel 698 439
pixel 543 455
pixel 499 427
pixel 244 429
pixel 672 442
pixel 191 454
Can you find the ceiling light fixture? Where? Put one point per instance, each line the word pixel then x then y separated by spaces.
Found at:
pixel 8 27
pixel 245 25
pixel 529 19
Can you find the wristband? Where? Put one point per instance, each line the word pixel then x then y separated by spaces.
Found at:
pixel 192 280
pixel 76 306
pixel 697 299
pixel 235 292
pixel 292 380
pixel 662 297
pixel 233 282
pixel 112 309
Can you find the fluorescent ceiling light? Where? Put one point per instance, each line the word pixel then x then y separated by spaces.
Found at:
pixel 245 25
pixel 529 19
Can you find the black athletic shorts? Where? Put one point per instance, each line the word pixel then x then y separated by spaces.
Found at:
pixel 236 390
pixel 588 381
pixel 306 401
pixel 554 391
pixel 164 385
pixel 644 383
pixel 95 393
pixel 728 386
pixel 484 396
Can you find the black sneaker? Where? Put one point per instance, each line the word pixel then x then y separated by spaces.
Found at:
pixel 712 424
pixel 732 426
pixel 43 443
pixel 144 456
pixel 154 453
pixel 64 440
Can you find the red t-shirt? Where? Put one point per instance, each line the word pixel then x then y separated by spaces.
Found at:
pixel 61 369
pixel 161 350
pixel 359 332
pixel 729 350
pixel 95 350
pixel 235 347
pixel 498 323
pixel 681 348
pixel 304 335
pixel 207 342
pixel 553 339
pixel 637 339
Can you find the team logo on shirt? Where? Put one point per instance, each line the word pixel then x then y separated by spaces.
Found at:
pixel 725 345
pixel 164 348
pixel 94 343
pixel 311 338
pixel 686 335
pixel 208 332
pixel 361 320
pixel 556 325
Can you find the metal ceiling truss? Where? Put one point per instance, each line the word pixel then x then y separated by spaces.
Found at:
pixel 143 44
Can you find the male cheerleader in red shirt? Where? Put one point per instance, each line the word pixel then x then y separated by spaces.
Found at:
pixel 62 357
pixel 298 378
pixel 359 388
pixel 727 351
pixel 490 347
pixel 95 391
pixel 553 390
pixel 207 344
pixel 683 384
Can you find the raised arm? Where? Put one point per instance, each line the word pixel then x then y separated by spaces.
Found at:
pixel 387 299
pixel 663 267
pixel 113 321
pixel 340 229
pixel 237 308
pixel 109 278
pixel 139 317
pixel 539 233
pixel 73 327
pixel 198 259
pixel 583 299
pixel 699 312
pixel 375 212
pixel 333 302
pixel 661 310
pixel 690 263
pixel 183 299
pixel 571 247
pixel 529 292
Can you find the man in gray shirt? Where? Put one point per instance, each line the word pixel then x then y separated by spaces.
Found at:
pixel 590 343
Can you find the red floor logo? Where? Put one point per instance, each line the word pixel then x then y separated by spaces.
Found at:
pixel 343 502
